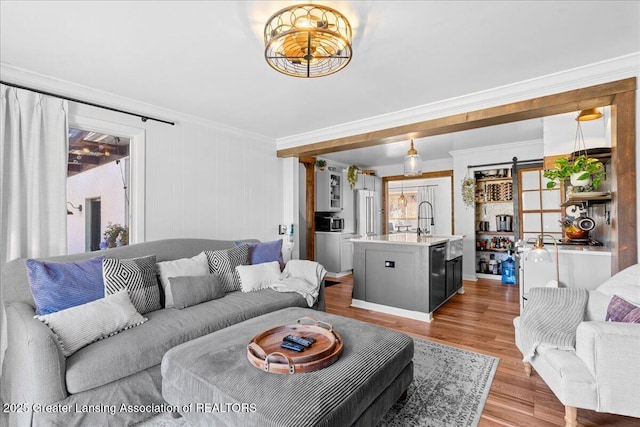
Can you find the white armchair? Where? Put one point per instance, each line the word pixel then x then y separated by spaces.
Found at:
pixel 603 373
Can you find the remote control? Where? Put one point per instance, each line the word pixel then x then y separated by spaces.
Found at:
pixel 291 346
pixel 311 340
pixel 298 340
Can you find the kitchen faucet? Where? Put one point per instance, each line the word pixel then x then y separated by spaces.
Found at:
pixel 426 231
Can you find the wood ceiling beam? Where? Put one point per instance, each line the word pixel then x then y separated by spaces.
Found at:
pixel 565 102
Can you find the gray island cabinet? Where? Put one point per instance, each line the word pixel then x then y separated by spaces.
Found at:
pixel 405 274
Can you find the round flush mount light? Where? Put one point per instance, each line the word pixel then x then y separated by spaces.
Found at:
pixel 307 40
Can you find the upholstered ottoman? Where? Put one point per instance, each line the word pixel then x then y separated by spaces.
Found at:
pixel 210 381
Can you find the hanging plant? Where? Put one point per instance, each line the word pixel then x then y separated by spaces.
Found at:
pixel 581 168
pixel 468 191
pixel 321 164
pixel 352 175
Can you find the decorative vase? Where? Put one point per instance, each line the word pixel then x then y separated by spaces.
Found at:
pixel 577 182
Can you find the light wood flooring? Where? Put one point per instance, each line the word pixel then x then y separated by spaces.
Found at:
pixel 481 320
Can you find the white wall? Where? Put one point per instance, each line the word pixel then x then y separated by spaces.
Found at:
pixel 104 182
pixel 204 180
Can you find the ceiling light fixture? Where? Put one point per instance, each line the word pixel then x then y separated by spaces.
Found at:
pixel 307 40
pixel 589 114
pixel 412 162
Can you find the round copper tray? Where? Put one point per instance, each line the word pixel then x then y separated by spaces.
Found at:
pixel 264 351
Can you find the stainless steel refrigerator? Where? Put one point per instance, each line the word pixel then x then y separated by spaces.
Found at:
pixel 368 213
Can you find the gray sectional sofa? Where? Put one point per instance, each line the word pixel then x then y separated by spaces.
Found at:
pixel 114 381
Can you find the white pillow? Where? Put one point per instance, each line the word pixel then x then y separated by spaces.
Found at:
pixel 258 276
pixel 196 266
pixel 83 324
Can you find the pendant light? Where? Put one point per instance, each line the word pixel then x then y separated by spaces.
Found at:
pixel 412 162
pixel 589 114
pixel 402 200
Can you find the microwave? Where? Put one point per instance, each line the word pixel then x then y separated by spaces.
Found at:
pixel 329 223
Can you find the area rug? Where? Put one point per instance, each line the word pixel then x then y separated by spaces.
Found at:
pixel 449 388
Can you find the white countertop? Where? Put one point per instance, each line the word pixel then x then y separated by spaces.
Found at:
pixel 406 239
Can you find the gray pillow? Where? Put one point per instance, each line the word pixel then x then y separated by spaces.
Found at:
pixel 192 290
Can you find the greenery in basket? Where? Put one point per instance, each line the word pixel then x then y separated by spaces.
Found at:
pixel 321 164
pixel 114 236
pixel 352 175
pixel 468 192
pixel 586 166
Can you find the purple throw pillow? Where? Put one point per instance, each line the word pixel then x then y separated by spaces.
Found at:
pixel 621 310
pixel 56 286
pixel 262 252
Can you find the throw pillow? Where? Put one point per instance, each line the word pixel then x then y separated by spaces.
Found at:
pixel 56 286
pixel 195 266
pixel 621 310
pixel 138 276
pixel 265 252
pixel 79 326
pixel 258 276
pixel 192 290
pixel 224 263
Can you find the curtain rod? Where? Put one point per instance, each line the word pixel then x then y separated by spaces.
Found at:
pixel 143 118
pixel 515 160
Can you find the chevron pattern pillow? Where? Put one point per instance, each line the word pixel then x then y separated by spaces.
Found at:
pixel 223 263
pixel 137 276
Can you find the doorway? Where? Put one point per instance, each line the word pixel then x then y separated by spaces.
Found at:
pixel 94 224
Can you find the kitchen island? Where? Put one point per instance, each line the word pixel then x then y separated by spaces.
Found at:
pixel 405 274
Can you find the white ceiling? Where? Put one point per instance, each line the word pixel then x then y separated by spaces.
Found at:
pixel 206 58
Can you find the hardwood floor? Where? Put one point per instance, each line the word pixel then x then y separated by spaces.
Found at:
pixel 481 320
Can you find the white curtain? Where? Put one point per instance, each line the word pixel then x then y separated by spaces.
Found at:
pixel 427 194
pixel 33 174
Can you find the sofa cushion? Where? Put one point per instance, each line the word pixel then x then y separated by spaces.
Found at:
pixel 262 252
pixel 56 286
pixel 224 263
pixel 144 346
pixel 78 326
pixel 138 276
pixel 192 290
pixel 195 266
pixel 258 276
pixel 621 310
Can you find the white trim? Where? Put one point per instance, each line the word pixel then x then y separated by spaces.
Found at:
pixel 137 153
pixel 409 314
pixel 575 78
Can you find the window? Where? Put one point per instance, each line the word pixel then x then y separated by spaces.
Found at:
pixel 97 191
pixel 399 211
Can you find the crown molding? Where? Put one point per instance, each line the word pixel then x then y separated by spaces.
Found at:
pixel 46 83
pixel 575 78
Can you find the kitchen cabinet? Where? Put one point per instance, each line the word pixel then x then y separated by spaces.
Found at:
pixel 453 276
pixel 368 182
pixel 405 275
pixel 334 251
pixel 329 185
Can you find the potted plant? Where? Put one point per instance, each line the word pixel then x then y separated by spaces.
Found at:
pixel 585 173
pixel 321 164
pixel 352 175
